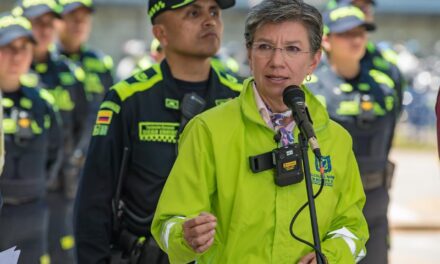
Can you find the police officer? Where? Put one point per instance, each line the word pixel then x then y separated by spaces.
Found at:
pixel 384 59
pixel 379 57
pixel 75 28
pixel 64 81
pixel 32 140
pixel 2 150
pixel 367 7
pixel 367 103
pixel 144 115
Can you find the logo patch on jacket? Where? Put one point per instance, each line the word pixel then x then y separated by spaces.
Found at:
pixel 326 162
pixel 158 131
pixel 328 179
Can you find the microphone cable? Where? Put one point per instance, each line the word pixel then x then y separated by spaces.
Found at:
pixel 320 254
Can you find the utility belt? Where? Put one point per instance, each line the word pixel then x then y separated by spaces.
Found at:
pixel 132 249
pixel 383 178
pixel 129 248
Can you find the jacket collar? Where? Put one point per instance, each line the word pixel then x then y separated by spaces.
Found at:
pixel 172 91
pixel 249 107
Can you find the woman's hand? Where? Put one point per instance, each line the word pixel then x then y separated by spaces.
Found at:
pixel 308 259
pixel 199 232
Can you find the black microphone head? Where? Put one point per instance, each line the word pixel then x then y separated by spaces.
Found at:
pixel 192 104
pixel 293 93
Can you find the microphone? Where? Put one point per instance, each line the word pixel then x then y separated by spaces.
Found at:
pixel 294 98
pixel 192 104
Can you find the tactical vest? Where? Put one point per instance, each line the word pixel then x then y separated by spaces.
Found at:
pixel 97 70
pixel 25 123
pixel 63 80
pixel 366 107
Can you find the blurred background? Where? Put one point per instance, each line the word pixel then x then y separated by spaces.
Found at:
pixel 122 30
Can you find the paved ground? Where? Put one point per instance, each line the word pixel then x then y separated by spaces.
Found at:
pixel 415 208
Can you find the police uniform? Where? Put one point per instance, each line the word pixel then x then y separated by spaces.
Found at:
pixel 142 114
pixel 98 80
pixel 64 81
pixel 385 60
pixel 379 58
pixel 2 151
pixel 98 73
pixel 32 141
pixel 376 57
pixel 368 106
pixel 62 78
pixel 97 68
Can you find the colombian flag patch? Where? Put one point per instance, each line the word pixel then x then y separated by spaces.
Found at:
pixel 104 117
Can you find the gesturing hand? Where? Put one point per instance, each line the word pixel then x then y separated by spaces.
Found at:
pixel 308 259
pixel 199 232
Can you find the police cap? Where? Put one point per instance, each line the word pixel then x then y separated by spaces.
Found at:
pixel 351 1
pixel 344 18
pixel 156 7
pixel 14 27
pixel 35 8
pixel 71 5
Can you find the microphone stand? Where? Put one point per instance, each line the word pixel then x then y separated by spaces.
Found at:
pixel 311 201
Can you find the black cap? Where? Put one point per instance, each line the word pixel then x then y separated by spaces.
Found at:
pixel 14 27
pixel 71 5
pixel 35 8
pixel 155 7
pixel 344 18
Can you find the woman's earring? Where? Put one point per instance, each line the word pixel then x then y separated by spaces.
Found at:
pixel 308 77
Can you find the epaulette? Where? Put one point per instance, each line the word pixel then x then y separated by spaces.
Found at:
pixel 97 61
pixel 389 55
pixel 226 78
pixel 139 82
pixel 43 94
pixel 30 79
pixel 371 47
pixel 48 97
pixel 382 78
pixel 73 73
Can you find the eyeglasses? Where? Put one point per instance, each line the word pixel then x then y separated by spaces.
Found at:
pixel 266 50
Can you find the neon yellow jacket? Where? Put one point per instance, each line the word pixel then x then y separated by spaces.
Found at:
pixel 212 174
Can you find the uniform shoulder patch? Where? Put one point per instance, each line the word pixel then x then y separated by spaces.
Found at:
pixel 227 79
pixel 97 60
pixel 30 80
pixel 140 82
pixel 104 117
pixel 103 120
